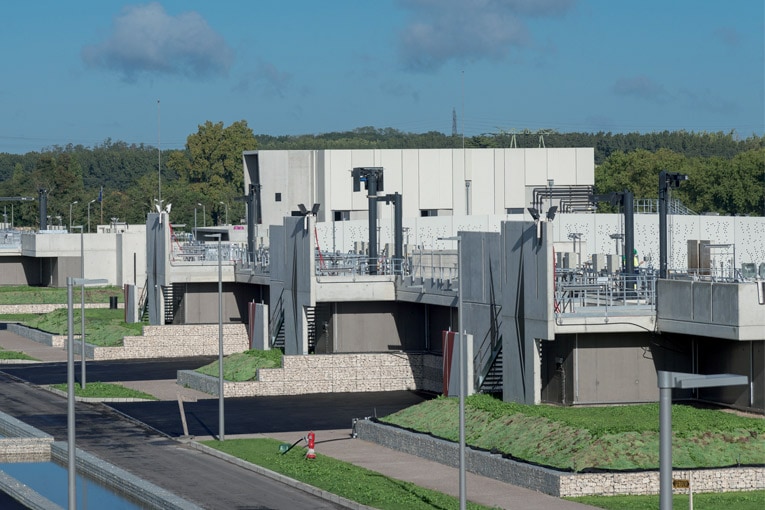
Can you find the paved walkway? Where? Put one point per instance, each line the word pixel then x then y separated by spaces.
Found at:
pixel 339 444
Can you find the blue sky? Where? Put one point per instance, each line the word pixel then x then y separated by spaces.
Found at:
pixel 81 72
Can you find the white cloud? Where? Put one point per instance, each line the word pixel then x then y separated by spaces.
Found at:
pixel 443 30
pixel 144 39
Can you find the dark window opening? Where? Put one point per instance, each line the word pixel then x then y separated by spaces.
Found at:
pixel 278 197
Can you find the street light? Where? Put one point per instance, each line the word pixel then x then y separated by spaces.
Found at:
pixel 82 305
pixel 89 215
pixel 463 360
pixel 70 422
pixel 204 214
pixel 70 214
pixel 226 205
pixel 221 418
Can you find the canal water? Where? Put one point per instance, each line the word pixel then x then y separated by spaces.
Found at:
pixel 51 481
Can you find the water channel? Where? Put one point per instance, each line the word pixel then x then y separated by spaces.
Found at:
pixel 50 480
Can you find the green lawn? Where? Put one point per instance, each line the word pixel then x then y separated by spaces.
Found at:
pixel 14 355
pixel 243 366
pixel 338 477
pixel 754 500
pixel 28 295
pixel 580 438
pixel 104 390
pixel 103 326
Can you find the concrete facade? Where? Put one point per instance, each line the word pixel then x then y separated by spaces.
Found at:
pixel 434 181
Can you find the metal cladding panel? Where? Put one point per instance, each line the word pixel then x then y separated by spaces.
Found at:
pixel 277 246
pixel 585 165
pixel 481 267
pixel 536 167
pixel 561 166
pixel 392 163
pixel 499 181
pixel 435 173
pixel 410 183
pixel 482 185
pixel 273 179
pixel 515 178
pixel 340 196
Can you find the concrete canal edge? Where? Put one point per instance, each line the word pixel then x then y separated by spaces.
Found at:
pixel 22 442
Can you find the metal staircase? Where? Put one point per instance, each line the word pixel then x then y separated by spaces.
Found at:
pixel 276 323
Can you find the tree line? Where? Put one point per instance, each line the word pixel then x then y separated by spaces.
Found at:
pixel 204 181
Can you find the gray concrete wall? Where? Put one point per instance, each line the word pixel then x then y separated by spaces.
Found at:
pixel 292 279
pixel 526 316
pixel 377 327
pixel 743 358
pixel 722 310
pixel 200 303
pixel 18 270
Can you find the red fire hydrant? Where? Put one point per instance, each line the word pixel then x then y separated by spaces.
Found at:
pixel 311 442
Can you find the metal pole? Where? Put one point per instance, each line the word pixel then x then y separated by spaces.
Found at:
pixel 463 386
pixel 70 398
pixel 82 305
pixel 221 422
pixel 662 224
pixel 372 199
pixel 665 441
pixel 195 223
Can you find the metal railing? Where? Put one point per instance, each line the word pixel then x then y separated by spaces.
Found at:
pixel 576 290
pixel 352 264
pixel 651 206
pixel 196 252
pixel 10 240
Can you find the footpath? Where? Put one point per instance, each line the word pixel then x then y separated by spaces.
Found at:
pixel 333 443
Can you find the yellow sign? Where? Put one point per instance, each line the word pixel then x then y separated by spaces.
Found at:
pixel 679 483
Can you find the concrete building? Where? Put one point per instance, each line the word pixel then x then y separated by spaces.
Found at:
pixel 551 314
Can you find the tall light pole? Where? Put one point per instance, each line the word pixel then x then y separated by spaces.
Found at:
pixel 204 214
pixel 70 431
pixel 226 206
pixel 195 223
pixel 89 217
pixel 221 418
pixel 462 371
pixel 70 213
pixel 82 305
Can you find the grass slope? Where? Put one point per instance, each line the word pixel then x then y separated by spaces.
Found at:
pixel 14 355
pixel 579 439
pixel 244 366
pixel 103 326
pixel 754 500
pixel 28 295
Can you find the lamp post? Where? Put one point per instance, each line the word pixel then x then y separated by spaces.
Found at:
pixel 226 206
pixel 204 214
pixel 70 214
pixel 462 374
pixel 70 431
pixel 82 305
pixel 89 217
pixel 221 418
pixel 195 223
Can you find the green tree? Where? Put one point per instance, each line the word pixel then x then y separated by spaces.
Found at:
pixel 210 171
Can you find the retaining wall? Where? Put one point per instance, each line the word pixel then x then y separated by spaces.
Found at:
pixel 550 481
pixel 156 342
pixel 173 342
pixel 47 308
pixel 331 373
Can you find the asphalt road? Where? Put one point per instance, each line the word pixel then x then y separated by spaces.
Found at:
pixel 204 480
pixel 139 444
pixel 107 371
